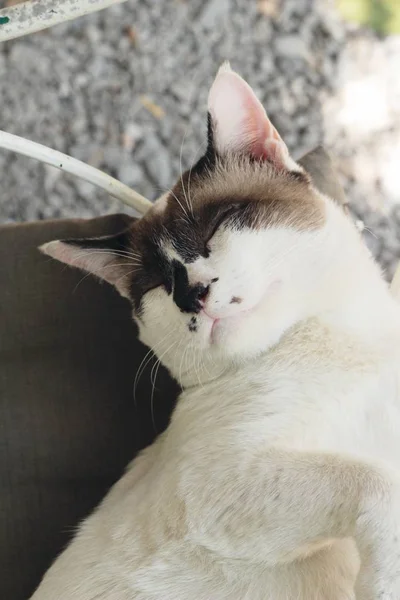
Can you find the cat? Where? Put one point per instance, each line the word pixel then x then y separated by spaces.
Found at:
pixel 279 475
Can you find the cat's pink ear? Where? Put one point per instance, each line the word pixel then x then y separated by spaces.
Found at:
pixel 240 123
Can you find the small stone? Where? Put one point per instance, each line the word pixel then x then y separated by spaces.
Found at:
pixel 51 176
pixel 213 11
pixel 131 135
pixel 291 46
pixel 130 173
pixel 269 8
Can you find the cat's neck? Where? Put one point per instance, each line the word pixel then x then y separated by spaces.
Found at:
pixel 352 294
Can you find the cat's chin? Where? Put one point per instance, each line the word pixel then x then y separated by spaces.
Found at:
pixel 245 336
pixel 237 338
pixel 224 329
pixel 227 333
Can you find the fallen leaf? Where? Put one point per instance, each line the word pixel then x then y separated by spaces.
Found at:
pixel 132 35
pixel 152 107
pixel 269 8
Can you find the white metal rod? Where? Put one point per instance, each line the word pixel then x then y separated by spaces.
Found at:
pixel 35 15
pixel 75 167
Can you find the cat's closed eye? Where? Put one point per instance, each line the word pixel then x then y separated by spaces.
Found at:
pixel 164 280
pixel 230 214
pixel 222 218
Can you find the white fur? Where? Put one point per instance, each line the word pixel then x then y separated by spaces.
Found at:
pixel 284 451
pixel 279 473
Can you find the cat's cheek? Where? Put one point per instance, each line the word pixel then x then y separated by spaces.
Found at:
pixel 141 330
pixel 200 335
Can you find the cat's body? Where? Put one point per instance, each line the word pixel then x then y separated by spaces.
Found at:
pixel 279 470
pixel 147 535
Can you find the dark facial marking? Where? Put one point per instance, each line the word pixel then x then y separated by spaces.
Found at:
pixel 192 324
pixel 187 298
pixel 236 300
pixel 207 162
pixel 190 237
pixel 156 271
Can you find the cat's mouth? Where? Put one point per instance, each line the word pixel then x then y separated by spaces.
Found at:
pixel 218 327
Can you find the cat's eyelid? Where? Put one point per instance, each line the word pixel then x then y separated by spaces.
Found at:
pixel 226 214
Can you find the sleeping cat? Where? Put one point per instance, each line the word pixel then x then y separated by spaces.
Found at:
pixel 279 475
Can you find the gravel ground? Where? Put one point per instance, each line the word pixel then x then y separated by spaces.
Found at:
pixel 125 90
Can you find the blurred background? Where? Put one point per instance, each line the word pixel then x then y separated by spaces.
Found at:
pixel 125 90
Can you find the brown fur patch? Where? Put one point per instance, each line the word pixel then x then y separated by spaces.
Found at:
pixel 273 198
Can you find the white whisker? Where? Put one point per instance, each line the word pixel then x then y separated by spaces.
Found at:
pixel 194 160
pixel 153 377
pixel 180 203
pixel 181 363
pixel 139 372
pixel 180 167
pixel 146 361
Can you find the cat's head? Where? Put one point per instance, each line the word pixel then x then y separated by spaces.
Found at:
pixel 229 258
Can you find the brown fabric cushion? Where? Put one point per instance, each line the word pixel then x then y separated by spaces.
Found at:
pixel 68 421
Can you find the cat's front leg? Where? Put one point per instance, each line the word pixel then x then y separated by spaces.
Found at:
pixel 379 544
pixel 278 506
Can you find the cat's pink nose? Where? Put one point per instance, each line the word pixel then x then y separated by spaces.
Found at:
pixel 202 294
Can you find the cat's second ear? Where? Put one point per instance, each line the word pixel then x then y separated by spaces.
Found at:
pixel 108 257
pixel 239 123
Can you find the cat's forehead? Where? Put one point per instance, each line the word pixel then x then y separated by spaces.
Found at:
pixel 271 197
pixel 245 194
